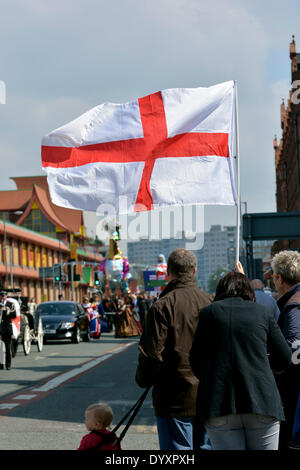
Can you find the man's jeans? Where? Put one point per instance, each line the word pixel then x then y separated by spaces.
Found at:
pixel 177 433
pixel 243 432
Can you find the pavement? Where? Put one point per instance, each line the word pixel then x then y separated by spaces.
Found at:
pixel 36 434
pixel 19 432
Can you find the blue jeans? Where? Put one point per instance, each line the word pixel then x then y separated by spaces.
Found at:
pixel 177 433
pixel 243 432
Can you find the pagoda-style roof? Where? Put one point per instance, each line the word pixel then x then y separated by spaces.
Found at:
pixel 35 189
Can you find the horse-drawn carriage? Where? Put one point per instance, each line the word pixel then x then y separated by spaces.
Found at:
pixel 27 327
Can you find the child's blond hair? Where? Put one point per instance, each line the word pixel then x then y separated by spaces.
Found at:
pixel 102 413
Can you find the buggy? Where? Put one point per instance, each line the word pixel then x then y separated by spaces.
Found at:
pixel 28 328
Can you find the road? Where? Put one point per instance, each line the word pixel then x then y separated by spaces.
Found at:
pixel 44 396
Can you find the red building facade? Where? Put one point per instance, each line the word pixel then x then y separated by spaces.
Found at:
pixel 287 151
pixel 34 234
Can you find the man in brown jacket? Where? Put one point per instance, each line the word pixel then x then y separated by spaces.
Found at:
pixel 164 352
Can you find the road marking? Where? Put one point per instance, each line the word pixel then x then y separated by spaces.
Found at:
pixel 53 383
pixel 24 397
pixel 8 406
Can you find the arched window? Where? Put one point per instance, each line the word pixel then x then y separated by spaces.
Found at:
pixel 39 223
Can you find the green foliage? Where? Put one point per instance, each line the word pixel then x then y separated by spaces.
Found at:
pixel 214 279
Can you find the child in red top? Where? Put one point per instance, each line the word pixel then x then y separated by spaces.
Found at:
pixel 98 418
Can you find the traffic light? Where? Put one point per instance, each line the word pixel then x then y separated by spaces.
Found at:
pixel 72 267
pixel 57 274
pixel 96 279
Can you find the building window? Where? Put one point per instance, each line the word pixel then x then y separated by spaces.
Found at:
pixel 37 222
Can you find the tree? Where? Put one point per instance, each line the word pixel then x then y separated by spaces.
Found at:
pixel 214 279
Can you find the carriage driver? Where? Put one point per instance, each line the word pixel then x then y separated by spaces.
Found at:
pixel 7 314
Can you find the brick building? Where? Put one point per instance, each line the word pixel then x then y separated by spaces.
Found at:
pixel 35 233
pixel 287 151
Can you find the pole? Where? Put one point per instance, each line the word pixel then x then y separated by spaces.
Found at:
pixel 72 279
pixel 5 251
pixel 44 299
pixel 238 204
pixel 11 266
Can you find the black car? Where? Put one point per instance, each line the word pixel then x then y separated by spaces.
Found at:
pixel 64 320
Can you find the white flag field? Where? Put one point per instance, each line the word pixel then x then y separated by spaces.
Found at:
pixel 171 148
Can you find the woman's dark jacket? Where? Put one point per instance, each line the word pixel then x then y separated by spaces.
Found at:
pixel 164 348
pixel 230 358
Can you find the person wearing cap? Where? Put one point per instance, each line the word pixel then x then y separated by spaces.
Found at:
pixel 8 312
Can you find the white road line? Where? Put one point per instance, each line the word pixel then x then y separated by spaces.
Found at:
pixel 24 397
pixel 53 383
pixel 8 406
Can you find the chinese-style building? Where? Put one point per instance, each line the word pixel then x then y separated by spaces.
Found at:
pixel 35 233
pixel 287 151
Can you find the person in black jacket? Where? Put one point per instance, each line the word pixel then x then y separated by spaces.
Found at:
pixel 8 312
pixel 234 344
pixel 286 277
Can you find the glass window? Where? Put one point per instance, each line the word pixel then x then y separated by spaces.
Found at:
pixel 37 222
pixel 57 308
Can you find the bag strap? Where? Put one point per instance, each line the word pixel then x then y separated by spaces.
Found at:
pixel 134 410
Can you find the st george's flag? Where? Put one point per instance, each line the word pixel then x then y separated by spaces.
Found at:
pixel 170 148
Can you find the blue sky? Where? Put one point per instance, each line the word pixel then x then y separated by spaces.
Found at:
pixel 60 58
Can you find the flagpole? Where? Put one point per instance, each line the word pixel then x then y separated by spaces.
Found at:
pixel 238 204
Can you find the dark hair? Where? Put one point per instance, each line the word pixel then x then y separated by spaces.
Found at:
pixel 234 284
pixel 181 263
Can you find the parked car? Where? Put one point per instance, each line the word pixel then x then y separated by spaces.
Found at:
pixel 64 320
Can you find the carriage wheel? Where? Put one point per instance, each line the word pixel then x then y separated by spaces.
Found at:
pixel 40 334
pixel 26 340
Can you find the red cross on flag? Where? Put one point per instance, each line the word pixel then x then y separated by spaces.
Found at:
pixel 172 147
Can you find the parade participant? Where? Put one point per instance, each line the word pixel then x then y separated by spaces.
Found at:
pixel 32 306
pixel 135 312
pixel 91 311
pixel 286 277
pixel 164 352
pixel 8 313
pixel 142 307
pixel 238 400
pixel 98 419
pixel 125 325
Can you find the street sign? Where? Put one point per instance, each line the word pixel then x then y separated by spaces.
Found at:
pixel 271 226
pixel 156 283
pixel 45 272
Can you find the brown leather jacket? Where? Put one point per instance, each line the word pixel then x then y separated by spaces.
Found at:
pixel 165 346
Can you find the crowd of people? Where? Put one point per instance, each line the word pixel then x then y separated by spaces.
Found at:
pixel 225 369
pixel 124 313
